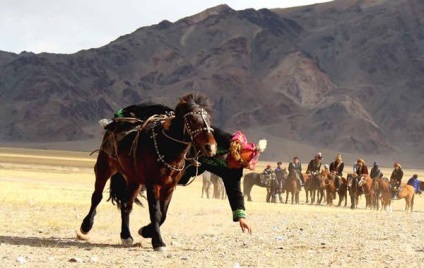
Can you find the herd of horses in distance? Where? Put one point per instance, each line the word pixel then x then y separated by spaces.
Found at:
pixel 157 147
pixel 321 186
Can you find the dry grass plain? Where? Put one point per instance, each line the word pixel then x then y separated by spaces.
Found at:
pixel 44 196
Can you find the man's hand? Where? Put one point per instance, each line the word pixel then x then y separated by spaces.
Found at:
pixel 245 226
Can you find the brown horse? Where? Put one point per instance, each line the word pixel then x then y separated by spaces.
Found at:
pixel 382 191
pixel 354 190
pixel 365 182
pixel 342 192
pixel 291 186
pixel 406 192
pixel 152 154
pixel 327 183
pixel 313 188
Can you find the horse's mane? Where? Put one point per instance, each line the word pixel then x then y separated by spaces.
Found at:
pixel 145 110
pixel 192 100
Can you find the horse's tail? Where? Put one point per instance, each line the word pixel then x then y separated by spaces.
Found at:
pixel 118 193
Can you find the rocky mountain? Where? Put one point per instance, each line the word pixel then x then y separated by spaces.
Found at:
pixel 343 76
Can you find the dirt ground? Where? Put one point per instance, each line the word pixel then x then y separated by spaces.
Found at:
pixel 44 196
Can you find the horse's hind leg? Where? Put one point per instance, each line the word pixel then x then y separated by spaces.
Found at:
pixel 412 202
pixel 102 171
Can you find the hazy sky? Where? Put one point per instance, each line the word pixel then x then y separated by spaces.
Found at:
pixel 67 26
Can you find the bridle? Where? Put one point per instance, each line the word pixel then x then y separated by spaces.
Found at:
pixel 193 133
pixel 187 129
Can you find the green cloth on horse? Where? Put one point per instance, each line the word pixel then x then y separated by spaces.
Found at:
pixel 119 113
pixel 220 159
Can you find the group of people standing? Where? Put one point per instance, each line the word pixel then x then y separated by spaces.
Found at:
pixel 337 166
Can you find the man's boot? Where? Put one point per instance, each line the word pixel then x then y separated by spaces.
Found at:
pixel 394 196
pixel 299 184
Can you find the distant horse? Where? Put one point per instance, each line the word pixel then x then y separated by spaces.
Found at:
pixel 365 183
pixel 383 192
pixel 258 179
pixel 291 186
pixel 219 188
pixel 406 192
pixel 354 190
pixel 313 188
pixel 209 179
pixel 152 154
pixel 327 182
pixel 206 184
pixel 342 191
pixel 277 187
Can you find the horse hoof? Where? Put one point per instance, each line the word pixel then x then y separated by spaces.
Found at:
pixel 145 232
pixel 82 231
pixel 81 235
pixel 160 249
pixel 127 241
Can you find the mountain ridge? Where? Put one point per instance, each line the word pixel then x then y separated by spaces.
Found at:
pixel 342 76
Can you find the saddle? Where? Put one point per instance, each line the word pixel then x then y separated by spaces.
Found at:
pixel 120 127
pixel 266 179
pixel 396 189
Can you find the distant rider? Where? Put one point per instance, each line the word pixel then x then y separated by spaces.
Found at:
pixel 361 167
pixel 337 166
pixel 279 175
pixel 295 169
pixel 268 170
pixel 414 182
pixel 396 179
pixel 376 172
pixel 314 166
pixel 267 174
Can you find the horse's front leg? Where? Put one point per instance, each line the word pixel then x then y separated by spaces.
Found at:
pixel 153 229
pixel 102 172
pixel 340 198
pixel 126 237
pixel 306 193
pixel 352 199
pixel 345 196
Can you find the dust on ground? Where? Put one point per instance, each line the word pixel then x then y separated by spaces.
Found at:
pixel 43 204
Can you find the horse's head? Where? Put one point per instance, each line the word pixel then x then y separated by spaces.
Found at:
pixel 375 184
pixel 362 181
pixel 351 177
pixel 193 114
pixel 324 178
